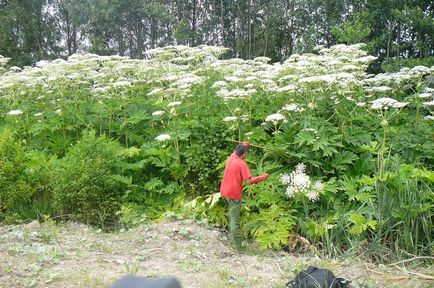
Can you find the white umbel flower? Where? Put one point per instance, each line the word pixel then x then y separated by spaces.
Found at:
pixel 219 84
pixel 15 112
pixel 425 95
pixel 312 195
pixel 163 137
pixel 290 191
pixel 175 103
pixel 430 103
pixel 122 83
pixel 292 107
pixel 275 118
pixel 299 182
pixel 158 113
pixel 301 167
pixel 384 103
pixel 229 118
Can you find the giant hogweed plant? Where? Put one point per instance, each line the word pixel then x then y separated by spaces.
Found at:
pixel 308 109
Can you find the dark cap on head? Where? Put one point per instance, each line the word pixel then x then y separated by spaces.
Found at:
pixel 242 148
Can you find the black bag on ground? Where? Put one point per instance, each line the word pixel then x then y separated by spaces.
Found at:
pixel 314 277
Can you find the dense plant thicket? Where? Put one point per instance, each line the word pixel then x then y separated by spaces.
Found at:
pixel 108 139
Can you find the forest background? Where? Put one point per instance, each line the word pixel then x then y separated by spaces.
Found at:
pixel 48 29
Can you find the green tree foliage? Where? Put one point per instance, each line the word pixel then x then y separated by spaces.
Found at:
pixel 355 30
pixel 28 32
pixel 40 29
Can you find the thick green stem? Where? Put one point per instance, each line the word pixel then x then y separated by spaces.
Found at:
pixel 126 128
pixel 382 151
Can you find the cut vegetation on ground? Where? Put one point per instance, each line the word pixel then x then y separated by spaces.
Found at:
pixel 75 255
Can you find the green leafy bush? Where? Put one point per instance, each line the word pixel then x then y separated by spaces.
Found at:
pixel 87 182
pixel 14 190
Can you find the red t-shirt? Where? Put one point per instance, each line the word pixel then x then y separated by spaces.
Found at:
pixel 236 171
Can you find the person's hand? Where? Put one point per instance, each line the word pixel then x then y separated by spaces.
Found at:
pixel 258 179
pixel 263 177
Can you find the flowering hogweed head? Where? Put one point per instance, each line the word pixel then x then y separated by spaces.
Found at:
pixel 175 103
pixel 229 118
pixel 301 167
pixel 219 84
pixel 163 137
pixel 385 103
pixel 318 185
pixel 292 107
pixel 312 195
pixel 155 91
pixel 275 118
pixel 299 182
pixel 290 191
pixel 158 113
pixel 425 95
pixel 285 179
pixel 15 112
pixel 430 103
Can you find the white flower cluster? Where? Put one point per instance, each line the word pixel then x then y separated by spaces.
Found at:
pixel 230 118
pixel 425 95
pixel 15 112
pixel 378 89
pixel 385 103
pixel 299 182
pixel 430 103
pixel 292 107
pixel 158 113
pixel 163 137
pixel 275 118
pixel 175 103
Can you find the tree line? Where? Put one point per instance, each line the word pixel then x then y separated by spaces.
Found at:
pixel 31 30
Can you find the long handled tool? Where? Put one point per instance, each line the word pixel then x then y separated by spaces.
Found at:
pixel 264 148
pixel 272 170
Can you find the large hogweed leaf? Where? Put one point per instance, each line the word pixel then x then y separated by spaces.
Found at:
pixel 272 226
pixel 361 224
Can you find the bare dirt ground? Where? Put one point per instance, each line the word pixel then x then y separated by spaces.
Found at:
pixel 75 255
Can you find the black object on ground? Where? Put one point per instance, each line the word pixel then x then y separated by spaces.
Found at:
pixel 141 282
pixel 314 277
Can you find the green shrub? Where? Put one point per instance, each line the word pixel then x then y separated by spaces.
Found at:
pixel 267 217
pixel 14 189
pixel 88 181
pixel 40 178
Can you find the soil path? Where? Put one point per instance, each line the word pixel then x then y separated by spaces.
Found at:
pixel 75 255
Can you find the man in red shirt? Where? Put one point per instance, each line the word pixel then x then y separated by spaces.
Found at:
pixel 236 171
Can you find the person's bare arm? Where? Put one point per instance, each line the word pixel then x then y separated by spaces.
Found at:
pixel 257 179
